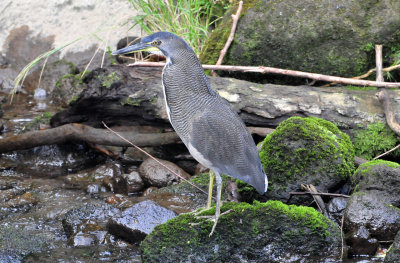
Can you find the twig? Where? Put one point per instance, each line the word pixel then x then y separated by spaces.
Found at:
pixel 235 19
pixel 318 200
pixel 378 61
pixel 391 150
pixel 369 72
pixel 155 159
pixel 341 236
pixel 294 73
pixel 324 194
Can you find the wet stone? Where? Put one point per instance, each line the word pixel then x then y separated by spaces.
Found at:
pixel 136 222
pixel 336 208
pixel 361 242
pixel 86 225
pixel 155 174
pixel 128 183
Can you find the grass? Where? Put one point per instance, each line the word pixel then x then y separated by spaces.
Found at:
pixel 189 19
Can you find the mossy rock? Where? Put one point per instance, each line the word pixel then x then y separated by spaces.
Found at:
pixel 379 175
pixel 262 232
pixel 306 151
pixel 334 39
pixel 375 139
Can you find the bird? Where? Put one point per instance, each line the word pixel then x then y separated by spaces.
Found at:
pixel 213 133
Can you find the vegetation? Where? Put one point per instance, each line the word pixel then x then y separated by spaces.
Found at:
pixel 189 19
pixel 376 139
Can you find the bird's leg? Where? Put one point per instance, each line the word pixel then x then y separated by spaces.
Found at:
pixel 210 189
pixel 219 202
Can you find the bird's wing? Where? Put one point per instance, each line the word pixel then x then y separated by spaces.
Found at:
pixel 220 140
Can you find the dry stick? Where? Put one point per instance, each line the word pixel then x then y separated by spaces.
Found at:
pixel 378 62
pixel 324 194
pixel 294 73
pixel 341 236
pixel 155 159
pixel 235 19
pixel 369 72
pixel 391 150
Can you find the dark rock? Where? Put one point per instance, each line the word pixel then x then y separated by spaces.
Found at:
pixel 393 256
pixel 134 223
pixel 306 151
pixel 54 160
pixel 322 37
pixel 262 232
pixel 361 243
pixel 133 182
pixel 336 207
pixel 374 205
pixel 86 225
pixel 155 174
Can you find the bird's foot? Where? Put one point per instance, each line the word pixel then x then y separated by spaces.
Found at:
pixel 213 218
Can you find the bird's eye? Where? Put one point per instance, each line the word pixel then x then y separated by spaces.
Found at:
pixel 156 43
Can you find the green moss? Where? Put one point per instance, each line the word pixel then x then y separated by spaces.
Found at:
pixel 243 224
pixel 131 101
pixel 376 139
pixel 350 87
pixel 76 79
pixel 108 80
pixel 304 146
pixel 44 118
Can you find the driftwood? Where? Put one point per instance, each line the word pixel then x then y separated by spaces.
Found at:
pixel 75 132
pixel 235 19
pixel 288 72
pixel 82 133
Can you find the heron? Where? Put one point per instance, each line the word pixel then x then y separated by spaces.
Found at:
pixel 213 133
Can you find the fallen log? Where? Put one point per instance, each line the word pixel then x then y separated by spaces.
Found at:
pixel 82 133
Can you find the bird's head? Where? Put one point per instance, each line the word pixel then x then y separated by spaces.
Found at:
pixel 161 43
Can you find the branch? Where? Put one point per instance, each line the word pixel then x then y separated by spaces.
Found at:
pixel 378 61
pixel 82 133
pixel 235 19
pixel 288 72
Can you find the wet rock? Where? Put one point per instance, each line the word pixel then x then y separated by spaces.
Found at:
pixel 361 243
pixel 262 232
pixel 54 160
pixel 374 205
pixel 134 223
pixel 306 151
pixel 95 178
pixel 86 225
pixel 393 256
pixel 336 207
pixel 156 175
pixel 15 244
pixel 133 182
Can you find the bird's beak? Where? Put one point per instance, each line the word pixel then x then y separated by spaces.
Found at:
pixel 136 48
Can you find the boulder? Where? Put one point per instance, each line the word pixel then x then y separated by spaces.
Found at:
pixel 333 38
pixel 134 223
pixel 306 151
pixel 262 232
pixel 44 26
pixel 155 174
pixel 372 213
